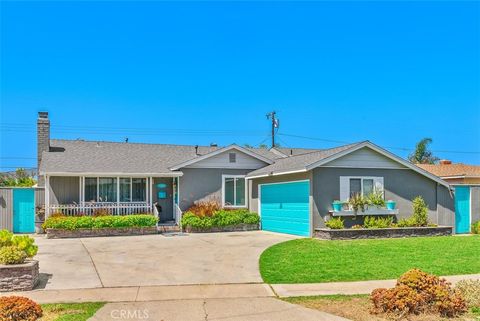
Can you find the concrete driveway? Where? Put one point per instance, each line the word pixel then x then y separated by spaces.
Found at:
pixel 210 258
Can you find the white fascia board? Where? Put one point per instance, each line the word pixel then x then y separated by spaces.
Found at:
pixel 219 151
pixel 277 174
pixel 176 174
pixel 385 153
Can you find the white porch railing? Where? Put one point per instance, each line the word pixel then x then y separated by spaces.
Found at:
pixel 110 208
pixel 178 216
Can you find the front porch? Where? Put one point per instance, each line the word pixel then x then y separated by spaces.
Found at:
pixel 107 195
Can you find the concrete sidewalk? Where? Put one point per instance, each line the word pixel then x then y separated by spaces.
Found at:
pixel 359 287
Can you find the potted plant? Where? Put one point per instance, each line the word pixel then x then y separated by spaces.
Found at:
pixel 357 202
pixel 391 205
pixel 337 206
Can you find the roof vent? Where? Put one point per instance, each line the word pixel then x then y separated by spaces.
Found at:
pixel 196 149
pixel 445 162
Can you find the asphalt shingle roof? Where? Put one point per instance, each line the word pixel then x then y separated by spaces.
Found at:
pixel 446 170
pixel 79 156
pixel 299 162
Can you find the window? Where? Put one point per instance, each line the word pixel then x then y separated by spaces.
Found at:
pixel 104 189
pixel 139 191
pixel 232 157
pixel 107 189
pixel 125 189
pixel 350 186
pixel 234 190
pixel 91 189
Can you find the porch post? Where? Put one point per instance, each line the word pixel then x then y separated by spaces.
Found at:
pixel 47 196
pixel 118 195
pixel 151 195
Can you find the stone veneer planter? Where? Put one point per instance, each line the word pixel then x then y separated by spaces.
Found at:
pixel 350 234
pixel 19 277
pixel 53 233
pixel 230 228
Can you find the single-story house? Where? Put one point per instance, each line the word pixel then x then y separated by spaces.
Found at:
pixel 292 189
pixel 465 181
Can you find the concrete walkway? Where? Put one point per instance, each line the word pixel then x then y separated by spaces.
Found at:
pixel 359 287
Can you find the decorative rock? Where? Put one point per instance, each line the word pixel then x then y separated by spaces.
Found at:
pixel 351 234
pixel 19 277
pixel 53 233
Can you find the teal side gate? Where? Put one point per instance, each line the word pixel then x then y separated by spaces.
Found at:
pixel 462 209
pixel 23 210
pixel 284 207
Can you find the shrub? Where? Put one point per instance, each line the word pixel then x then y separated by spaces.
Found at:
pixel 376 199
pixel 476 227
pixel 205 208
pixel 357 226
pixel 417 292
pixel 406 222
pixel 377 222
pixel 14 249
pixel 335 223
pixel 219 218
pixel 26 244
pixel 12 255
pixel 73 222
pixel 420 211
pixel 470 290
pixel 17 308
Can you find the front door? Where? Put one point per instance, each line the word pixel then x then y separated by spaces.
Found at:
pixel 23 210
pixel 462 209
pixel 164 198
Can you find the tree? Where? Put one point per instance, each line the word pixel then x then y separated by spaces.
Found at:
pixel 20 178
pixel 263 146
pixel 247 146
pixel 422 155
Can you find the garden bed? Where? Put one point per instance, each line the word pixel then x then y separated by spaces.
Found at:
pixel 56 233
pixel 230 228
pixel 19 277
pixel 373 233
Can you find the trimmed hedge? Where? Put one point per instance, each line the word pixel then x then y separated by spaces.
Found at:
pixel 111 221
pixel 219 219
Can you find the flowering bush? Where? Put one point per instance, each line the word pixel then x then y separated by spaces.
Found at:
pixel 205 208
pixel 12 255
pixel 219 218
pixel 416 292
pixel 17 308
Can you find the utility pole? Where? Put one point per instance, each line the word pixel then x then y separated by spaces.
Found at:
pixel 275 124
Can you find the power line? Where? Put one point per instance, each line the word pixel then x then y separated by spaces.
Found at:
pixel 390 147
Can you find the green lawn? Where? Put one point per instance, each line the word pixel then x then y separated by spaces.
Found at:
pixel 312 260
pixel 70 311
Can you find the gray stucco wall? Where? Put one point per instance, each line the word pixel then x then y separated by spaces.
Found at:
pixel 475 196
pixel 202 184
pixel 400 185
pixel 64 189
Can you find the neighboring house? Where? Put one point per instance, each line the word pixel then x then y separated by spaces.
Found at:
pixel 292 189
pixel 465 180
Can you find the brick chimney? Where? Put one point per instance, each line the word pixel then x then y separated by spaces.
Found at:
pixel 445 162
pixel 43 141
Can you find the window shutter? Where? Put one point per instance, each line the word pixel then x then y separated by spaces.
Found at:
pixel 378 184
pixel 344 188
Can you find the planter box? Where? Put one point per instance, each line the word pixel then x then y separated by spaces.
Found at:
pixel 19 277
pixel 230 228
pixel 53 233
pixel 351 234
pixel 368 212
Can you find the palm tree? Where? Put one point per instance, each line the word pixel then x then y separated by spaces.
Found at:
pixel 422 155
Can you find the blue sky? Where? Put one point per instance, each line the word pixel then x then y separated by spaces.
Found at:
pixel 195 73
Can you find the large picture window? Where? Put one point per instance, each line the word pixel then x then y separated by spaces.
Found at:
pixel 234 191
pixel 104 189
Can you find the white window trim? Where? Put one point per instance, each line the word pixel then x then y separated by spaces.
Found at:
pixel 348 178
pixel 234 191
pixel 117 179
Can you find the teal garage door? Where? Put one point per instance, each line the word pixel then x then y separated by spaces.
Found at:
pixel 23 210
pixel 462 209
pixel 284 207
